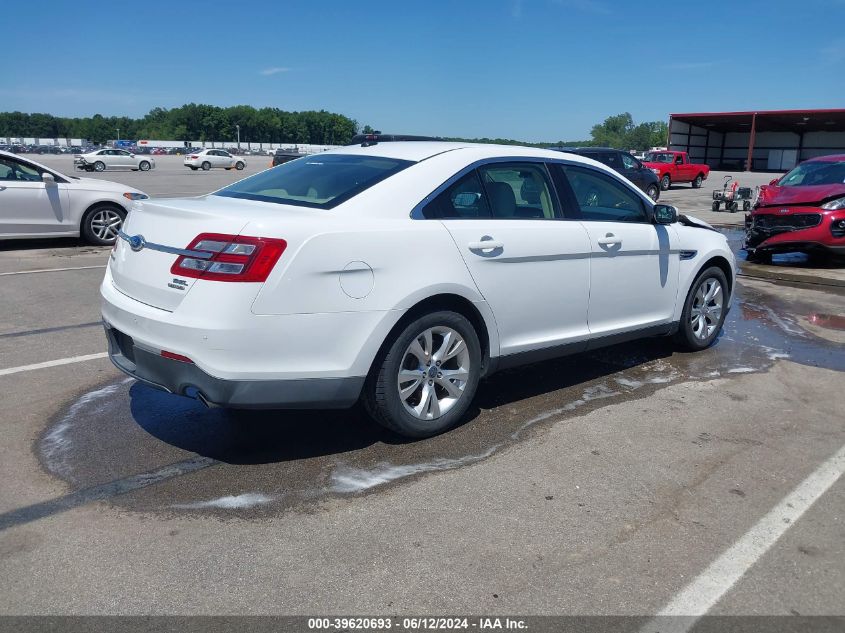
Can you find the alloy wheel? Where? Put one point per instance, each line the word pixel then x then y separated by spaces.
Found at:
pixel 433 373
pixel 105 223
pixel 707 306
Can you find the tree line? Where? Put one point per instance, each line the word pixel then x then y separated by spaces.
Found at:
pixel 190 122
pixel 200 122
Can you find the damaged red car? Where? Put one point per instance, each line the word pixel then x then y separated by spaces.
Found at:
pixel 804 211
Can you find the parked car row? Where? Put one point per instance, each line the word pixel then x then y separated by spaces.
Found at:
pixel 47 149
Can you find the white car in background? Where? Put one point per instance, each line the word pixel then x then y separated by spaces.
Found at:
pixel 401 274
pixel 39 202
pixel 104 159
pixel 214 158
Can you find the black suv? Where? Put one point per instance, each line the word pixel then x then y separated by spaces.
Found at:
pixel 281 156
pixel 624 163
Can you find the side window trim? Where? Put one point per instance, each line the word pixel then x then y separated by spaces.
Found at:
pixel 571 210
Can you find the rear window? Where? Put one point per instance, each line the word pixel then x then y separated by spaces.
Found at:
pixel 322 181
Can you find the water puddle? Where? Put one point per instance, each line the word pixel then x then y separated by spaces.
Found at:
pixel 266 462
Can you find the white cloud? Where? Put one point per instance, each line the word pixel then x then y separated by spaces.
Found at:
pixel 834 53
pixel 587 6
pixel 689 65
pixel 273 71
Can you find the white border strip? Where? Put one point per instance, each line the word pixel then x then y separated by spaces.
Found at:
pixel 50 270
pixel 698 597
pixel 53 363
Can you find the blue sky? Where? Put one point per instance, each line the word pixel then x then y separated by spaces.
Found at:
pixel 526 69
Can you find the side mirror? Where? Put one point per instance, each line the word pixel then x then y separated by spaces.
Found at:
pixel 665 214
pixel 131 155
pixel 48 178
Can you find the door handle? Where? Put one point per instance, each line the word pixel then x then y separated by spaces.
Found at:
pixel 485 245
pixel 609 240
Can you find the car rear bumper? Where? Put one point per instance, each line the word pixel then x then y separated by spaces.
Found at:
pixel 186 379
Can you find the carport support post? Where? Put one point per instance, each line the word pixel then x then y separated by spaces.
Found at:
pixel 748 163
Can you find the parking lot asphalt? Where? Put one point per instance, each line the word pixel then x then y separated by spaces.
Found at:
pixel 615 482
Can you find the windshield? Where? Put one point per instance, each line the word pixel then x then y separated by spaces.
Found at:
pixel 658 157
pixel 808 174
pixel 322 181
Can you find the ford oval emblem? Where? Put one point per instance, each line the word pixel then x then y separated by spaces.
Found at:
pixel 137 242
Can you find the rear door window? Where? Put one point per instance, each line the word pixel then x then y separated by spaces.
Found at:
pixel 518 190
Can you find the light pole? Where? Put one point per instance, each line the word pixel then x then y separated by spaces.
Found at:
pixel 238 128
pixel 118 137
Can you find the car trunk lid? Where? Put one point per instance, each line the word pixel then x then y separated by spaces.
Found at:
pixel 156 231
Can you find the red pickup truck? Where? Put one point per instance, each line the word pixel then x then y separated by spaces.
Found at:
pixel 672 167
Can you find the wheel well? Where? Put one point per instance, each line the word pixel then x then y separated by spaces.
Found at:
pixel 722 263
pixel 453 303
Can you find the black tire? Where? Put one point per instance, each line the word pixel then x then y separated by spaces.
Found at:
pixel 696 184
pixel 665 182
pixel 734 207
pixel 99 166
pixel 817 258
pixel 715 205
pixel 206 166
pixel 653 192
pixel 144 165
pixel 746 206
pixel 759 257
pixel 91 227
pixel 685 336
pixel 192 167
pixel 239 165
pixel 381 396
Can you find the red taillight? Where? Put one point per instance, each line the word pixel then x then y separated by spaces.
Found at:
pixel 193 157
pixel 174 356
pixel 231 258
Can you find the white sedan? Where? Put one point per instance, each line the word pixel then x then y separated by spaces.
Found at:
pixel 103 159
pixel 37 202
pixel 214 158
pixel 400 274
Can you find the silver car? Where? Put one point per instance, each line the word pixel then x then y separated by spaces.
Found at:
pixel 104 159
pixel 211 158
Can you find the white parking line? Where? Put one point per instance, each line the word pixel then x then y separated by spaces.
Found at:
pixel 49 270
pixel 698 597
pixel 53 363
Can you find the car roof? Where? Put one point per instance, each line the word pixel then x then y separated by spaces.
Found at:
pixel 830 158
pixel 417 151
pixel 586 149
